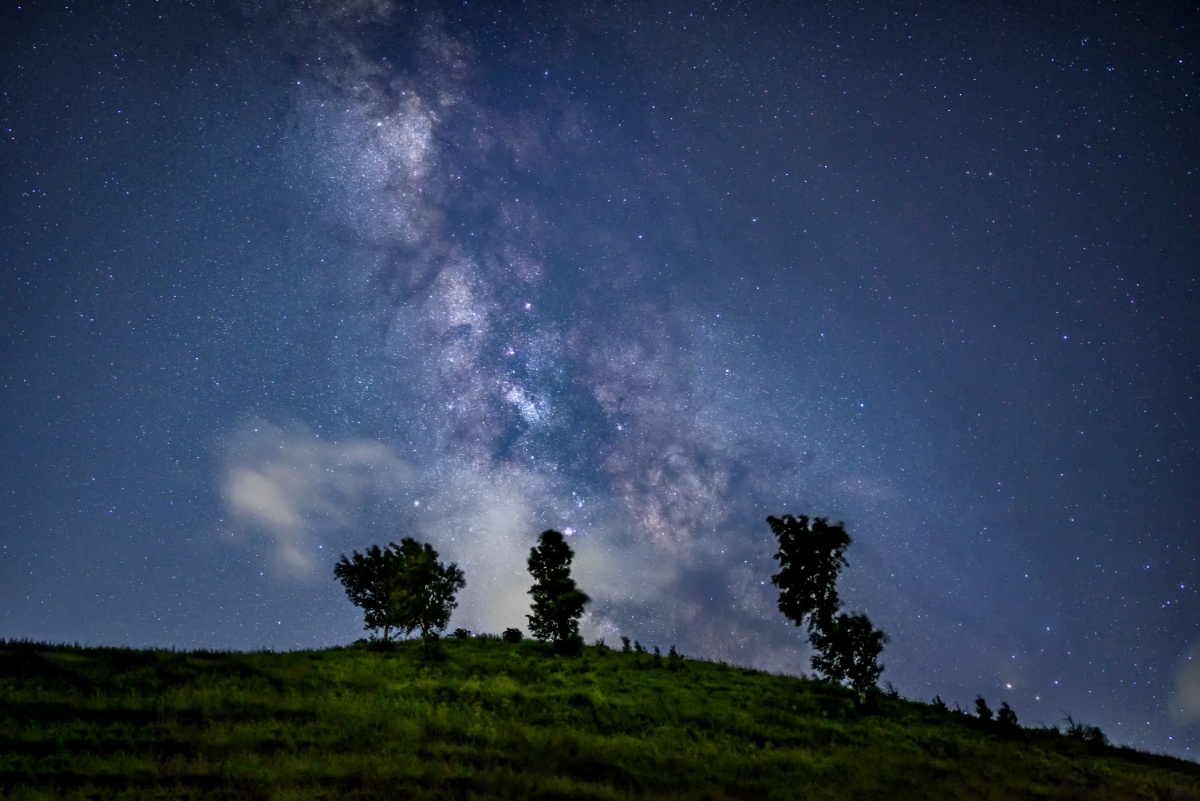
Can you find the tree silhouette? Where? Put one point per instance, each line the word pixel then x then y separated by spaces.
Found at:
pixel 402 586
pixel 811 555
pixel 982 710
pixel 847 651
pixel 557 602
pixel 424 588
pixel 366 577
pixel 1006 718
pixel 810 558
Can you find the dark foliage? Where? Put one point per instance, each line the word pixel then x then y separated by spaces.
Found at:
pixel 939 704
pixel 982 710
pixel 674 659
pixel 810 558
pixel 366 577
pixel 1006 718
pixel 811 555
pixel 511 635
pixel 847 651
pixel 402 586
pixel 557 602
pixel 1082 731
pixel 461 634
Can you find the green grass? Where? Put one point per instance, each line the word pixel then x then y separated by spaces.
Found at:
pixel 498 720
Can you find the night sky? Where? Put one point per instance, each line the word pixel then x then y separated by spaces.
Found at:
pixel 283 280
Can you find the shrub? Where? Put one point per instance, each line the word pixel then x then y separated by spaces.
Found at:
pixel 982 710
pixel 674 659
pixel 1082 731
pixel 1007 718
pixel 512 635
pixel 461 634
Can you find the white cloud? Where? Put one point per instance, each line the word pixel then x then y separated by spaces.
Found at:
pixel 293 488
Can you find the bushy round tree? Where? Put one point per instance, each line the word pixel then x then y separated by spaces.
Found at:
pixel 402 586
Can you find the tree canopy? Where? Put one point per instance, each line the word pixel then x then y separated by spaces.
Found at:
pixel 847 651
pixel 810 557
pixel 557 602
pixel 402 586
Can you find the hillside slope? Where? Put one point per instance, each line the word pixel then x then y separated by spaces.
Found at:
pixel 499 720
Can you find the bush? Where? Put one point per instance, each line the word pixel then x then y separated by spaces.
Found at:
pixel 1082 731
pixel 461 634
pixel 982 710
pixel 674 659
pixel 512 635
pixel 1007 718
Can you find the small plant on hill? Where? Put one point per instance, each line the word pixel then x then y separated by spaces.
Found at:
pixel 674 659
pixel 982 710
pixel 1006 718
pixel 557 602
pixel 511 635
pixel 1082 731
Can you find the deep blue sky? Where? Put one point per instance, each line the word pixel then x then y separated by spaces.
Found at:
pixel 278 284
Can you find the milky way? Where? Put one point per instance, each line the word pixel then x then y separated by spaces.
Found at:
pixel 286 280
pixel 517 392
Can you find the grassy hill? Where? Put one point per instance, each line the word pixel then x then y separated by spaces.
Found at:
pixel 500 720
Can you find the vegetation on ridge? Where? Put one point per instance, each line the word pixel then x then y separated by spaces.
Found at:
pixel 509 720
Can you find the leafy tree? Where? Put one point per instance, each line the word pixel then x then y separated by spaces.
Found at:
pixel 423 589
pixel 847 651
pixel 982 710
pixel 512 635
pixel 810 558
pixel 402 586
pixel 811 555
pixel 367 579
pixel 557 602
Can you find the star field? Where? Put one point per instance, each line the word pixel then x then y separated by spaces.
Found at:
pixel 285 280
